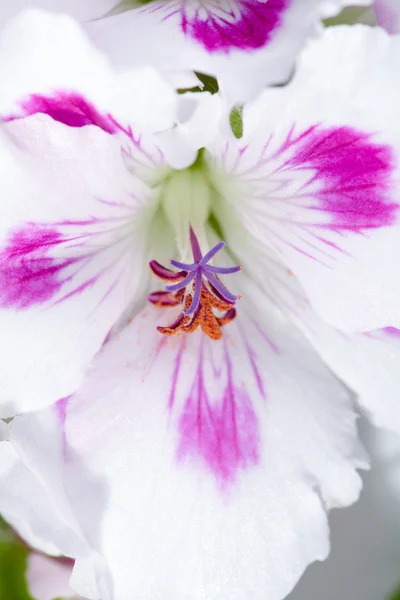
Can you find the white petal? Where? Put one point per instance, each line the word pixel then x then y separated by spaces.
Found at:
pixel 365 538
pixel 43 515
pixel 72 236
pixel 27 506
pixel 48 578
pixel 3 431
pixel 207 454
pixel 79 9
pixel 28 71
pixel 388 14
pixel 368 363
pixel 316 175
pixel 244 43
pixel 73 229
pixel 75 85
pixel 200 120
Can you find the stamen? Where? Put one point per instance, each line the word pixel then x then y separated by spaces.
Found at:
pixel 164 273
pixel 206 295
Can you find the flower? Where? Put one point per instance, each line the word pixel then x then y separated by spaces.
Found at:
pixel 246 44
pixel 202 461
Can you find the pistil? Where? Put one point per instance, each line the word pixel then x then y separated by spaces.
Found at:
pixel 206 294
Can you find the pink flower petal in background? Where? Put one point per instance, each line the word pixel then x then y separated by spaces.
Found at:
pixel 388 14
pixel 48 578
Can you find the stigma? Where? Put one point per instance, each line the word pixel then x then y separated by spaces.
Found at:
pixel 206 302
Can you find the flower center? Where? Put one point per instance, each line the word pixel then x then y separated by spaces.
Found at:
pixel 198 288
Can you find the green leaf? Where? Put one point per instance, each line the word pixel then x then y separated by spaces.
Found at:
pixel 236 121
pixel 351 15
pixel 13 557
pixel 125 5
pixel 210 83
pixel 395 595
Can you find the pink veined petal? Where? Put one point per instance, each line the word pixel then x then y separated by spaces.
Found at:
pixel 72 240
pixel 73 230
pixel 388 14
pixel 244 43
pixel 75 85
pixel 195 453
pixel 317 182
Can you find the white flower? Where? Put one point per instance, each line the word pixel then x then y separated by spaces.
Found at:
pixel 199 464
pixel 246 44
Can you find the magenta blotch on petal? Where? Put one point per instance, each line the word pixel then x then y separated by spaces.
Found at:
pixel 354 174
pixel 222 431
pixel 68 108
pixel 61 409
pixel 247 26
pixel 220 26
pixel 28 276
pixel 392 331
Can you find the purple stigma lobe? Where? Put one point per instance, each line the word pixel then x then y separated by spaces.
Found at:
pixel 199 269
pixel 222 270
pixel 206 294
pixel 182 284
pixel 194 242
pixel 207 257
pixel 185 266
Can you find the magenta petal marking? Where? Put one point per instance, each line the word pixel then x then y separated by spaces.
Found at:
pixel 68 108
pixel 224 432
pixel 27 275
pixel 34 268
pixel 61 409
pixel 354 173
pixel 242 24
pixel 392 331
